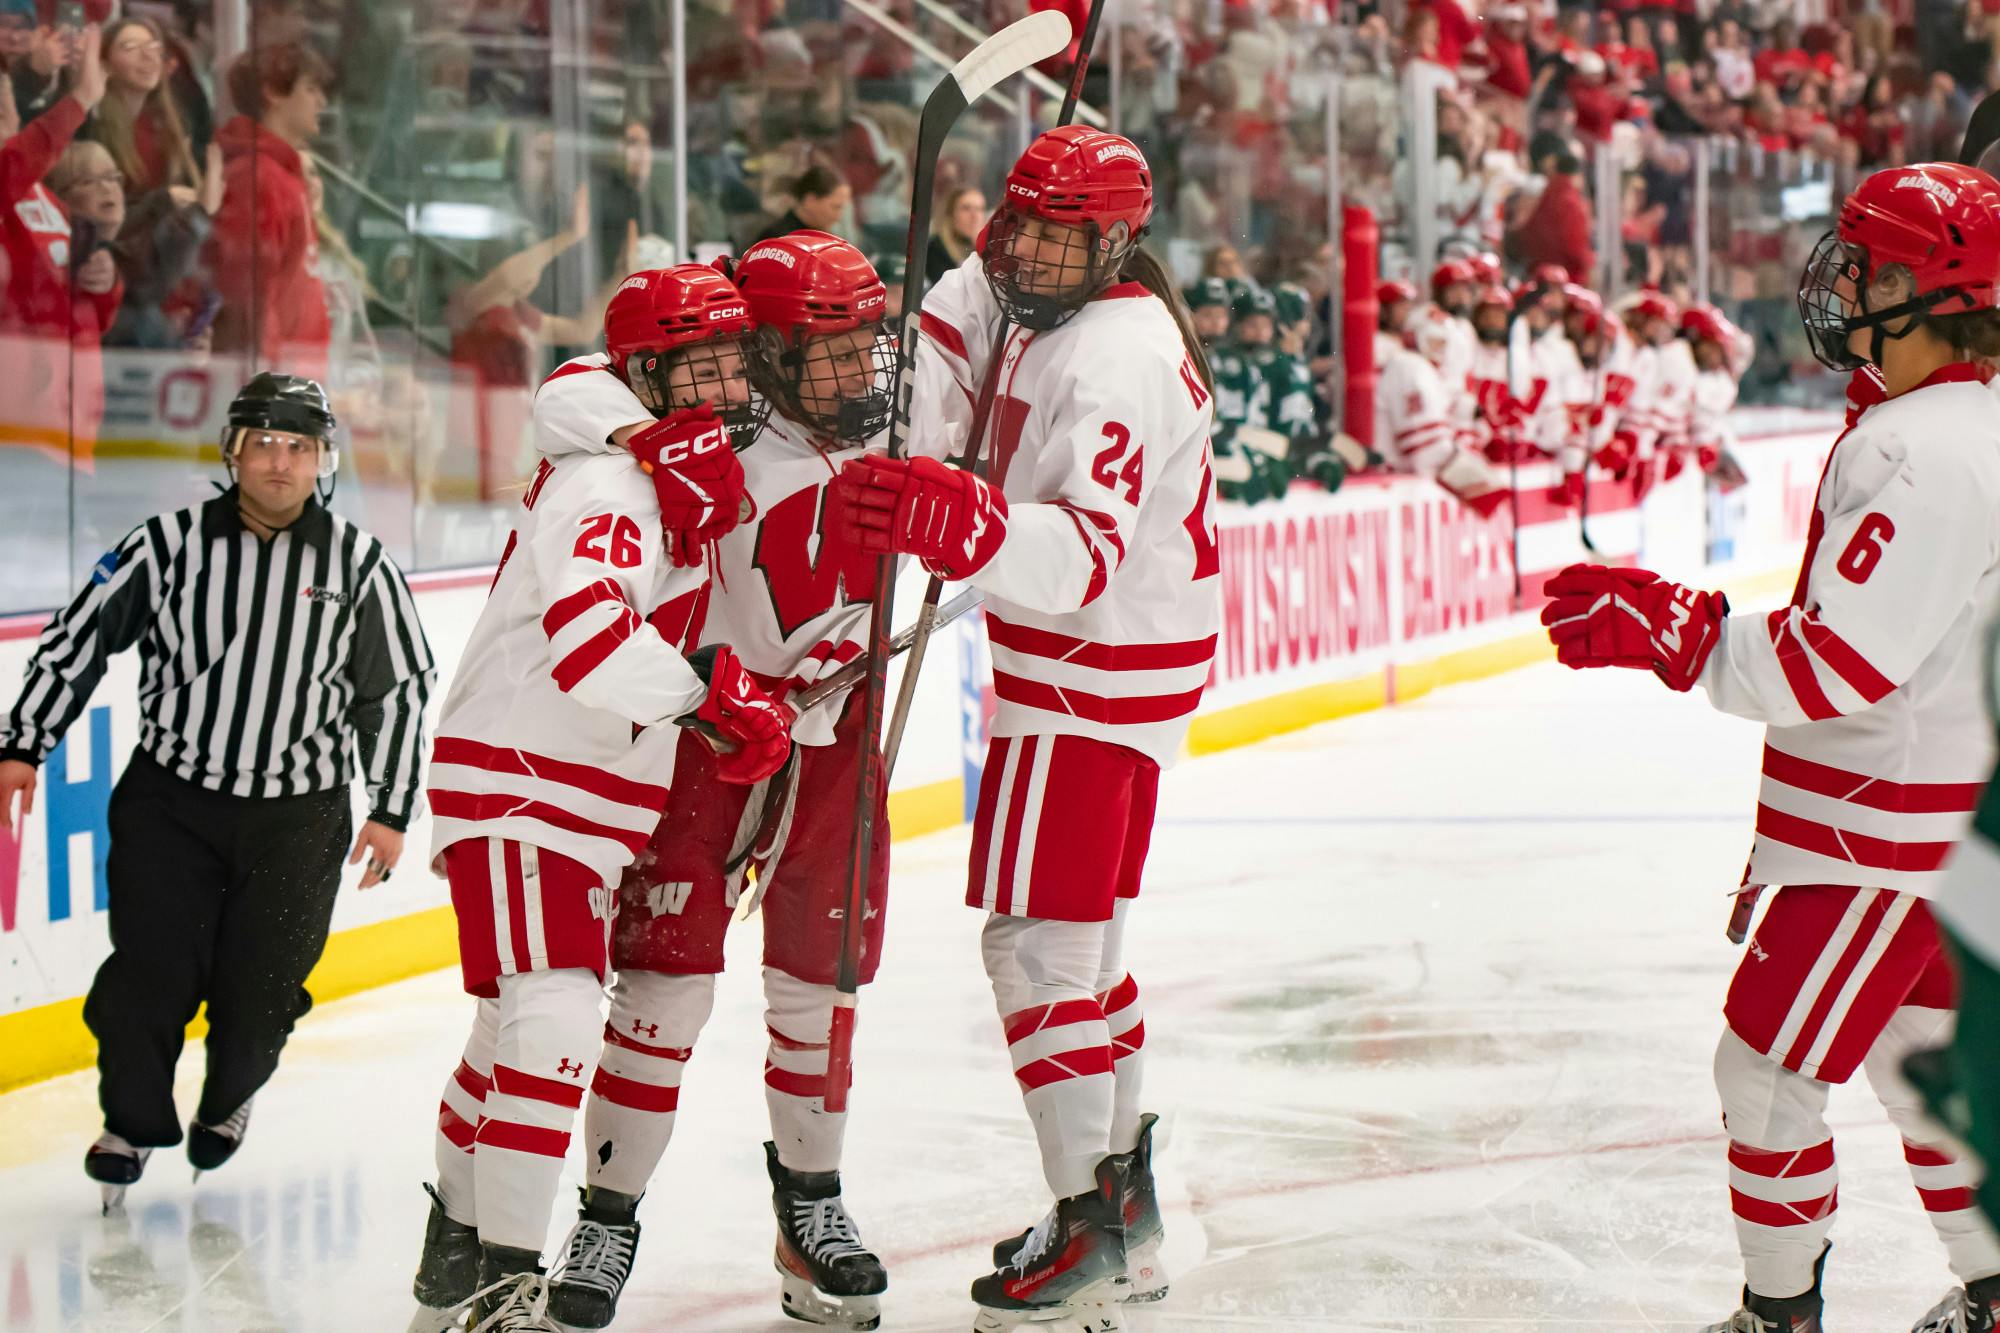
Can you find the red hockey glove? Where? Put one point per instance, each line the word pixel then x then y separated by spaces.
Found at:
pixel 1617 454
pixel 1644 474
pixel 1676 460
pixel 1568 492
pixel 696 476
pixel 1706 456
pixel 751 732
pixel 945 516
pixel 1599 617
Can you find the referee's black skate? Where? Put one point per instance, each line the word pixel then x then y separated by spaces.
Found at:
pixel 596 1259
pixel 828 1276
pixel 1070 1271
pixel 115 1165
pixel 448 1272
pixel 1144 1229
pixel 210 1146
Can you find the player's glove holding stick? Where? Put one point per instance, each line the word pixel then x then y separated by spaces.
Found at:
pixel 751 731
pixel 1601 617
pixel 948 518
pixel 696 475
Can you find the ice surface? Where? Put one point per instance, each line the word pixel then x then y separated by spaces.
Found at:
pixel 1431 997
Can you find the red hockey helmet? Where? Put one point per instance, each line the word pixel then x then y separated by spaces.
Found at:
pixel 821 351
pixel 1653 304
pixel 676 335
pixel 1493 294
pixel 1075 204
pixel 1550 275
pixel 1938 221
pixel 1486 270
pixel 1394 291
pixel 1450 274
pixel 1704 323
pixel 1584 315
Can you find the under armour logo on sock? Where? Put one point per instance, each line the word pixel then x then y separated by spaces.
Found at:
pixel 645 1029
pixel 572 1070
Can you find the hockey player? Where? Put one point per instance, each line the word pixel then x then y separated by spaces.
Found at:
pixel 1606 353
pixel 793 605
pixel 1721 355
pixel 1663 399
pixel 1295 410
pixel 1096 548
pixel 1519 417
pixel 1454 287
pixel 1208 303
pixel 1869 682
pixel 1416 427
pixel 554 756
pixel 1249 453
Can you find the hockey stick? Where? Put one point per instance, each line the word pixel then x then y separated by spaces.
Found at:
pixel 975 438
pixel 1583 497
pixel 779 790
pixel 1009 51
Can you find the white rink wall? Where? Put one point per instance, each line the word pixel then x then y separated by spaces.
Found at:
pixel 1384 575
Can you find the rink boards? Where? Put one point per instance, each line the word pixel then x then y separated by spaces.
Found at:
pixel 1331 605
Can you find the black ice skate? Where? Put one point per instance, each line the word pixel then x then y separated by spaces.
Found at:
pixel 1070 1269
pixel 114 1164
pixel 1144 1231
pixel 596 1259
pixel 1975 1308
pixel 1778 1314
pixel 448 1272
pixel 209 1146
pixel 513 1296
pixel 828 1276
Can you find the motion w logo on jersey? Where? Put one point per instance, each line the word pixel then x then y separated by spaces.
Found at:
pixel 804 571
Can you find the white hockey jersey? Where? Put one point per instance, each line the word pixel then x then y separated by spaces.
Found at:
pixel 1414 427
pixel 1104 602
pixel 1870 680
pixel 1663 404
pixel 1449 344
pixel 1714 399
pixel 792 607
pixel 558 729
pixel 1532 413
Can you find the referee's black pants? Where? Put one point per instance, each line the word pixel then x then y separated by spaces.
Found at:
pixel 213 897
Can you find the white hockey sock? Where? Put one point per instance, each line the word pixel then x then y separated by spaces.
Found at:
pixel 459 1114
pixel 1943 1181
pixel 655 1018
pixel 1057 1039
pixel 548 1035
pixel 1784 1203
pixel 798 1016
pixel 1783 1184
pixel 1126 1020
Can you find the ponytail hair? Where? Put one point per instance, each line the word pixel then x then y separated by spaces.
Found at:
pixel 1143 268
pixel 1973 334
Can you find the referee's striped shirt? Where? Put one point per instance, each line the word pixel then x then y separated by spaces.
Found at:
pixel 258 658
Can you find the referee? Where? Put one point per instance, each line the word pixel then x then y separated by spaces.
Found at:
pixel 270 633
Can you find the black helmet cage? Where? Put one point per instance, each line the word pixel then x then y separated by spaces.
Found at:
pixel 782 364
pixel 657 376
pixel 1826 316
pixel 1090 261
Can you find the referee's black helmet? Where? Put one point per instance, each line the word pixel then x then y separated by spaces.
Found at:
pixel 289 403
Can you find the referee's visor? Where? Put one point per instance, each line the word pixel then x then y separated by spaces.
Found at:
pixel 240 445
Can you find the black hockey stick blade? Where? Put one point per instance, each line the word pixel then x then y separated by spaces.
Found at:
pixel 1982 132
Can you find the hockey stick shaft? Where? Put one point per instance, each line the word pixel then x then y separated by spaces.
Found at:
pixel 982 413
pixel 1009 51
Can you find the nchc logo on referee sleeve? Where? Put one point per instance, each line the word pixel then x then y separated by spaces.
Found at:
pixel 324 595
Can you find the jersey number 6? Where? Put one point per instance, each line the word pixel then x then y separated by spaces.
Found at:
pixel 602 539
pixel 1104 469
pixel 1864 549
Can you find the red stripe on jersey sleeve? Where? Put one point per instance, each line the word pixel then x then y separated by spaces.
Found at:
pixel 944 335
pixel 590 654
pixel 1099 656
pixel 567 608
pixel 1850 665
pixel 1100 577
pixel 1798 668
